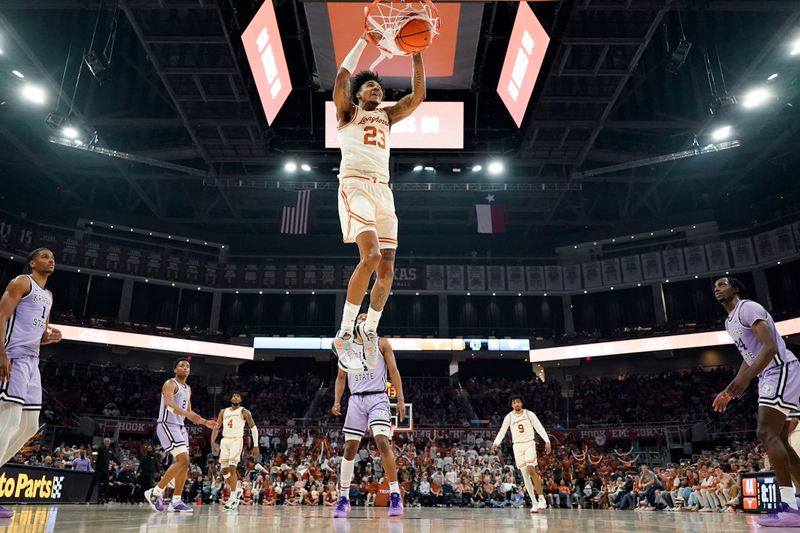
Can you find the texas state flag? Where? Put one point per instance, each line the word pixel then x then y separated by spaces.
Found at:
pixel 491 214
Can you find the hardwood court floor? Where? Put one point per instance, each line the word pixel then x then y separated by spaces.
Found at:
pixel 124 518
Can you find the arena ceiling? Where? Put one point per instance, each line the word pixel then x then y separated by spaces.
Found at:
pixel 181 101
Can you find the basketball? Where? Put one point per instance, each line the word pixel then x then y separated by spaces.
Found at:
pixel 414 36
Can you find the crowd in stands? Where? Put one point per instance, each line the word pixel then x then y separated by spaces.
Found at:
pixel 489 397
pixel 684 397
pixel 302 469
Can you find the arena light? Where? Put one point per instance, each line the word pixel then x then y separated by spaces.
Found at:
pixel 305 167
pixel 18 74
pixel 477 168
pixel 417 168
pixel 755 98
pixel 290 166
pixel 772 77
pixel 795 48
pixel 71 133
pixel 495 168
pixel 430 169
pixel 34 94
pixel 722 133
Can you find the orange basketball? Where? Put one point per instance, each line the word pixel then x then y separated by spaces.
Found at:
pixel 414 36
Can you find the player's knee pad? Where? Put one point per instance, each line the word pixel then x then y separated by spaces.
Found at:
pixel 351 436
pixel 384 431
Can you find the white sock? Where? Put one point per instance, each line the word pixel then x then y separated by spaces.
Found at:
pixel 158 491
pixel 526 477
pixel 176 499
pixel 787 496
pixel 394 487
pixel 345 476
pixel 349 317
pixel 373 317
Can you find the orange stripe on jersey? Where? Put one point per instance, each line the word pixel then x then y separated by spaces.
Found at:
pixel 365 178
pixel 357 217
pixel 387 239
pixel 351 120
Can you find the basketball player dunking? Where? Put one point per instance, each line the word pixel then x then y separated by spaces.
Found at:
pixel 24 325
pixel 366 204
pixel 524 425
pixel 176 406
pixel 232 420
pixel 369 407
pixel 765 355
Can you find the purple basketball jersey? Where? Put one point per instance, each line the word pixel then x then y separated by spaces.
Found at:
pixel 739 325
pixel 369 380
pixel 181 399
pixel 26 326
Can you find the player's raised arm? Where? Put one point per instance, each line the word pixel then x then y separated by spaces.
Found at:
pixel 410 102
pixel 341 87
pixel 394 375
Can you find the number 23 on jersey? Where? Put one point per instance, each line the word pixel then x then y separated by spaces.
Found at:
pixel 370 134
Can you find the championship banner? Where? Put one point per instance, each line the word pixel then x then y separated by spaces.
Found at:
pixel 210 270
pixel 497 277
pixel 173 267
pixel 651 266
pixel 516 278
pixel 743 254
pixel 476 278
pixel 611 273
pixel 434 277
pixel 33 484
pixel 572 277
pixel 553 280
pixel 631 269
pixel 250 277
pixel 765 247
pixel 455 278
pixel 327 277
pixel 192 273
pixel 535 278
pixel 310 279
pixel 695 259
pixel 230 275
pixel 784 241
pixel 717 254
pixel 673 262
pixel 408 277
pixel 592 274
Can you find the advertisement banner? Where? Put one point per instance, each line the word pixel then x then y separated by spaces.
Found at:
pixel 408 277
pixel 33 484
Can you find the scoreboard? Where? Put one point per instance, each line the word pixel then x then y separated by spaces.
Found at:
pixel 760 492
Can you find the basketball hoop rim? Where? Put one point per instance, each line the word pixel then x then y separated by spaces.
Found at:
pixel 372 10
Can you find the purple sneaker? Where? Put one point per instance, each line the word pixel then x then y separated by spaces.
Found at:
pixel 395 505
pixel 5 513
pixel 342 508
pixel 153 501
pixel 784 516
pixel 179 507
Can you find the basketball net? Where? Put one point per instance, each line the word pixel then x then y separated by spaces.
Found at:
pixel 385 19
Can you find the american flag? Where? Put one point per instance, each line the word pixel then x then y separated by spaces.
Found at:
pixel 295 213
